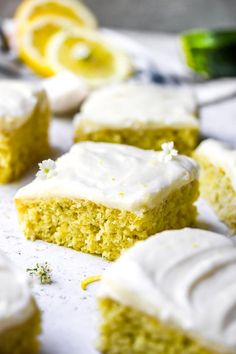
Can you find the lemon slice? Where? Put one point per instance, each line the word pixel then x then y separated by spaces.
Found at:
pixel 87 54
pixel 32 42
pixel 30 10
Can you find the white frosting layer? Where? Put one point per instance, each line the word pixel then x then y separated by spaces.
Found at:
pixel 65 91
pixel 16 303
pixel 185 278
pixel 117 176
pixel 18 100
pixel 132 105
pixel 220 155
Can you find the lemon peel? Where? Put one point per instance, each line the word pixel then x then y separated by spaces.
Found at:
pixel 90 280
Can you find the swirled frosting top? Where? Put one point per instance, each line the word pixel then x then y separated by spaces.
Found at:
pixel 185 278
pixel 135 106
pixel 114 175
pixel 16 303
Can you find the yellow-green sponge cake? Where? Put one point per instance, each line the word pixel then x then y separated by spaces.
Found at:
pixel 171 294
pixel 142 115
pixel 218 179
pixel 101 198
pixel 24 122
pixel 19 315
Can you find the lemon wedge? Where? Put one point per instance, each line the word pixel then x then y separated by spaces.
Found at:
pixel 87 54
pixel 30 10
pixel 32 42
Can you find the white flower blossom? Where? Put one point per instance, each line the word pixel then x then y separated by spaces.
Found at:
pixel 46 169
pixel 168 151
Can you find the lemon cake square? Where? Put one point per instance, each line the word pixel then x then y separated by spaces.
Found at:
pixel 24 122
pixel 20 323
pixel 142 115
pixel 171 294
pixel 218 179
pixel 101 198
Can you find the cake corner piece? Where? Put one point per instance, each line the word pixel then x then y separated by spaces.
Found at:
pixel 218 179
pixel 165 295
pixel 24 122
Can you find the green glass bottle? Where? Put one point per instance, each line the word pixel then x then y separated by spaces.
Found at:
pixel 211 53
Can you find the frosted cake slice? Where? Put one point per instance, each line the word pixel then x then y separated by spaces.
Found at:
pixel 218 179
pixel 19 315
pixel 171 294
pixel 101 198
pixel 142 115
pixel 24 122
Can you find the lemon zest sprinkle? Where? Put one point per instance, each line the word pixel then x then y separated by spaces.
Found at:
pixel 90 280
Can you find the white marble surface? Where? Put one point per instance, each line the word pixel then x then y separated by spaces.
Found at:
pixel 69 314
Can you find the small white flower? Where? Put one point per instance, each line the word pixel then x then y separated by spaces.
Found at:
pixel 168 151
pixel 46 169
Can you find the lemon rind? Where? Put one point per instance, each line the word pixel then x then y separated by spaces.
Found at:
pixel 90 280
pixel 24 9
